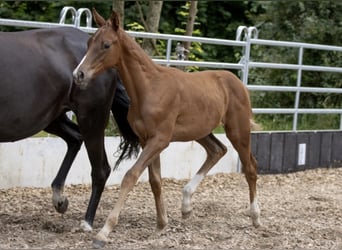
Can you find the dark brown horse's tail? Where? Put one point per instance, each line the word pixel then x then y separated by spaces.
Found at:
pixel 129 144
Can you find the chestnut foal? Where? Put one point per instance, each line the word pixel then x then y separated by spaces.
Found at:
pixel 169 105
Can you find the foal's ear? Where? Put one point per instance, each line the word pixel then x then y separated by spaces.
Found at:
pixel 99 20
pixel 115 20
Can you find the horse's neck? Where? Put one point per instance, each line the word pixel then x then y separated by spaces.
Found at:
pixel 135 68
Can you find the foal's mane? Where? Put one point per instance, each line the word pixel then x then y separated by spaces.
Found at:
pixel 129 45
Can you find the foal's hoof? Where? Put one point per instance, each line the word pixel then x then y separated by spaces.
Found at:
pixel 186 215
pixel 61 206
pixel 256 222
pixel 98 243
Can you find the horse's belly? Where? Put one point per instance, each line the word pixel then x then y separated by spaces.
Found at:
pixel 19 123
pixel 194 128
pixel 19 130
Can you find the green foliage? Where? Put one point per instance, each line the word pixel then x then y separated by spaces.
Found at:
pixel 112 128
pixel 135 27
pixel 305 21
pixel 36 11
pixel 301 21
pixel 45 11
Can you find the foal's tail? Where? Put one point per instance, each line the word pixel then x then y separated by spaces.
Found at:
pixel 255 126
pixel 129 144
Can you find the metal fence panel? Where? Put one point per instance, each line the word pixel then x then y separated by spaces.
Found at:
pixel 276 152
pixel 245 38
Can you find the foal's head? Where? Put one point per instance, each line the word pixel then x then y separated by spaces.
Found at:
pixel 103 50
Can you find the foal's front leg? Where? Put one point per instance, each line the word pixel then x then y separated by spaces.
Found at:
pixel 151 150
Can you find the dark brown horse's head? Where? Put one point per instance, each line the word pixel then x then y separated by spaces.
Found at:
pixel 103 50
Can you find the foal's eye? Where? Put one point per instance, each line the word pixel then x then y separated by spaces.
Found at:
pixel 105 45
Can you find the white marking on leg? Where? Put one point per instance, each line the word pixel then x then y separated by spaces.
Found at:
pixel 59 201
pixel 188 190
pixel 56 196
pixel 255 212
pixel 85 226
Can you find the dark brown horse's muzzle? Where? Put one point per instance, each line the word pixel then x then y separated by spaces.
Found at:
pixel 78 76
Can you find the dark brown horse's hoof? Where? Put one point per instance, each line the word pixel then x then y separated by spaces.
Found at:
pixel 186 215
pixel 98 243
pixel 62 206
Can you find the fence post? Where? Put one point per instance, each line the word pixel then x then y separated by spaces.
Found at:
pixel 64 11
pixel 88 17
pixel 242 31
pixel 299 81
pixel 168 51
pixel 249 33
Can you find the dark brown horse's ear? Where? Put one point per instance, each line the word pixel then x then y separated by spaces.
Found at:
pixel 115 19
pixel 99 20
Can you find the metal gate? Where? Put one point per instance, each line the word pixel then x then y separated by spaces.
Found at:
pixel 276 152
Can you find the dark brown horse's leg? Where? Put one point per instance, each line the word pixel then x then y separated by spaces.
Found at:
pixel 93 135
pixel 239 136
pixel 156 186
pixel 100 171
pixel 69 132
pixel 215 150
pixel 152 149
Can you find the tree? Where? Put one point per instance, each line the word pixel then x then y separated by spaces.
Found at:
pixel 183 49
pixel 150 22
pixel 119 7
pixel 190 24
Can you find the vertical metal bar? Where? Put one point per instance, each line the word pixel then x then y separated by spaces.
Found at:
pixel 252 32
pixel 246 60
pixel 241 31
pixel 63 14
pixel 79 16
pixel 299 80
pixel 168 51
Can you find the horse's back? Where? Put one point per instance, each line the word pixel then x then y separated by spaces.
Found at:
pixel 210 95
pixel 38 45
pixel 214 84
pixel 36 77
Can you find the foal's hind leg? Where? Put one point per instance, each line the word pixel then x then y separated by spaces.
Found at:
pixel 69 132
pixel 239 136
pixel 215 150
pixel 156 186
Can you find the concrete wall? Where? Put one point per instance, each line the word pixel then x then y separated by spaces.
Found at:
pixel 34 162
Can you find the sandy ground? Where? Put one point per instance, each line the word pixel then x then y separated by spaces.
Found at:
pixel 298 210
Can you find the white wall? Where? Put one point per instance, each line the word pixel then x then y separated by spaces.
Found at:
pixel 34 162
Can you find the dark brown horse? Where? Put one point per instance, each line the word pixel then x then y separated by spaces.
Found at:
pixel 36 89
pixel 168 105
